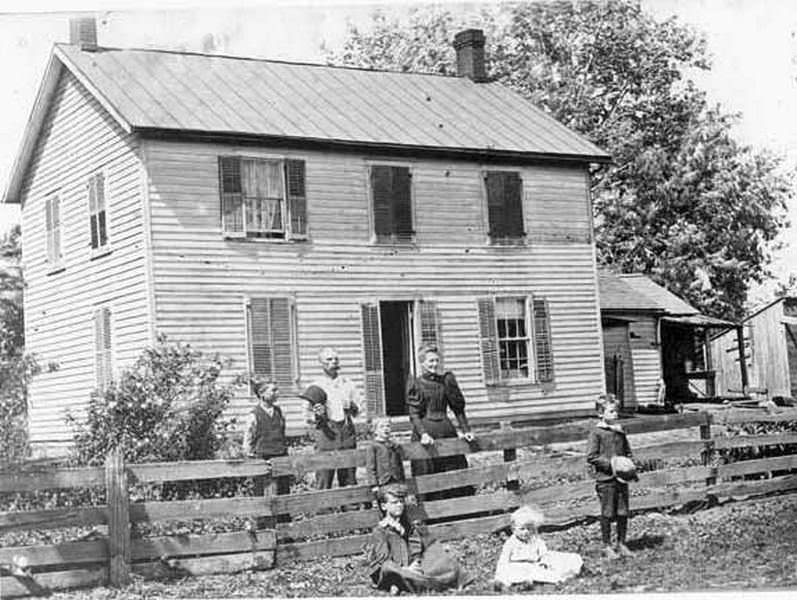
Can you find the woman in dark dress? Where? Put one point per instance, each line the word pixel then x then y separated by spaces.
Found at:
pixel 428 399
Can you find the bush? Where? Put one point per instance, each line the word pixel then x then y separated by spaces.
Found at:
pixel 167 407
pixel 16 371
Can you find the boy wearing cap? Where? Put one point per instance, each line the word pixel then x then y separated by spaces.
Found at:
pixel 264 431
pixel 606 443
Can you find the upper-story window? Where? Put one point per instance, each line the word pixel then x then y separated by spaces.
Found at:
pixel 504 206
pixel 98 227
pixel 52 222
pixel 391 195
pixel 263 198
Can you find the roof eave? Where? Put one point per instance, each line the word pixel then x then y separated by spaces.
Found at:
pixel 41 104
pixel 486 154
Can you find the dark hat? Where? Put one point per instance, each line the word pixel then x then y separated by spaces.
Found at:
pixel 624 469
pixel 314 395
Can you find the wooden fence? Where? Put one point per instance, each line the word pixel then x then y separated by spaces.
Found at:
pixel 336 522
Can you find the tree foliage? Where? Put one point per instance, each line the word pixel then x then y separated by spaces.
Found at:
pixel 683 201
pixel 167 406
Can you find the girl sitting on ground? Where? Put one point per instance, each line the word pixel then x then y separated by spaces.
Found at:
pixel 525 559
pixel 400 558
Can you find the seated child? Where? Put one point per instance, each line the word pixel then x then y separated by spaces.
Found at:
pixel 383 460
pixel 606 442
pixel 402 559
pixel 525 557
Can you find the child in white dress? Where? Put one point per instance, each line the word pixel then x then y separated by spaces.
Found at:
pixel 525 558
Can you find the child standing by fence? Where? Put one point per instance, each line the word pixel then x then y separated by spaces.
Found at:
pixel 525 558
pixel 606 443
pixel 383 460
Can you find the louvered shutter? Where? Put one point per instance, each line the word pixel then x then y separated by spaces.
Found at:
pixel 495 204
pixel 381 192
pixel 93 225
pixel 102 235
pixel 232 205
pixel 542 340
pixel 48 226
pixel 489 341
pixel 297 197
pixel 402 203
pixel 372 350
pixel 429 325
pixel 260 336
pixel 513 205
pixel 281 341
pixel 56 220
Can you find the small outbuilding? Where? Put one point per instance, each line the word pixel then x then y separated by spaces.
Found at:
pixel 654 343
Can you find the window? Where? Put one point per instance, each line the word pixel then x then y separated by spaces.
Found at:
pixel 272 340
pixel 515 339
pixel 52 210
pixel 97 212
pixel 391 194
pixel 263 198
pixel 504 206
pixel 102 348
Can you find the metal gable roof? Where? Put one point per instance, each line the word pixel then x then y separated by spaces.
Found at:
pixel 210 93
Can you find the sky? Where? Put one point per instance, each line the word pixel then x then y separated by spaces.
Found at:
pixel 753 44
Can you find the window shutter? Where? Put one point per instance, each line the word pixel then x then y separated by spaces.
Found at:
pixel 100 201
pixel 429 321
pixel 513 205
pixel 102 347
pixel 542 340
pixel 48 226
pixel 372 348
pixel 489 340
pixel 232 206
pixel 259 337
pixel 402 203
pixel 495 204
pixel 56 233
pixel 297 197
pixel 93 226
pixel 381 191
pixel 281 341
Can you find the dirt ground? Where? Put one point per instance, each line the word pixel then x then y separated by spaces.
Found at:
pixel 736 546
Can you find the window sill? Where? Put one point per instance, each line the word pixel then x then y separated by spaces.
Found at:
pixel 53 269
pixel 264 240
pixel 521 384
pixel 100 252
pixel 507 242
pixel 410 244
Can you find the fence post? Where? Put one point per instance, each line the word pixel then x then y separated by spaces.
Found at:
pixel 118 518
pixel 510 455
pixel 708 452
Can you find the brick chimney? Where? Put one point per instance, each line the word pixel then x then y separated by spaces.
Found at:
pixel 83 33
pixel 469 45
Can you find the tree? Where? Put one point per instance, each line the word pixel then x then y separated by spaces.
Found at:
pixel 683 202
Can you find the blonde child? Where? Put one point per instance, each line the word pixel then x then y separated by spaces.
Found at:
pixel 525 558
pixel 606 443
pixel 383 459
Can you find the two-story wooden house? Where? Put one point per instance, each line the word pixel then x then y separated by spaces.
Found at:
pixel 266 209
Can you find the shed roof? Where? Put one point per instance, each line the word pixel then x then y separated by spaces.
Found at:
pixel 637 292
pixel 160 91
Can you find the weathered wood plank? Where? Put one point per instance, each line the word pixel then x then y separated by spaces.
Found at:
pixel 53 518
pixel 198 509
pixel 462 477
pixel 737 416
pixel 321 500
pixel 755 488
pixel 744 441
pixel 343 546
pixel 41 583
pixel 31 481
pixel 195 470
pixel 464 505
pixel 673 476
pixel 669 450
pixel 93 551
pixel 759 465
pixel 143 549
pixel 460 529
pixel 326 524
pixel 208 565
pixel 118 519
pixel 554 493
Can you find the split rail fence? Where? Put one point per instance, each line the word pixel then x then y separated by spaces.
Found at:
pixel 336 522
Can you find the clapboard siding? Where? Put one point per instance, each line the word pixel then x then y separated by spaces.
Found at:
pixel 646 356
pixel 78 139
pixel 201 279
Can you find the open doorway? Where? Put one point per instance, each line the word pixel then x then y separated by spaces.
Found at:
pixel 397 344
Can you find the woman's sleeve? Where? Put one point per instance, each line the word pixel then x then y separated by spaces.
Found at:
pixel 415 407
pixel 456 400
pixel 594 458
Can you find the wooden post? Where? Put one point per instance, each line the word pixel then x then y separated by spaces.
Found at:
pixel 118 518
pixel 269 491
pixel 708 452
pixel 510 455
pixel 742 358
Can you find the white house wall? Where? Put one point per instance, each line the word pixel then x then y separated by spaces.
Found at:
pixel 79 138
pixel 201 279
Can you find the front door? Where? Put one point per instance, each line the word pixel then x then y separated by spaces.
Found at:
pixel 397 344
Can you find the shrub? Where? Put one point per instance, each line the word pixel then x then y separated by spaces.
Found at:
pixel 167 407
pixel 16 371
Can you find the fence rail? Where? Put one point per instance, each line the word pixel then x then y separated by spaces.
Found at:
pixel 335 522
